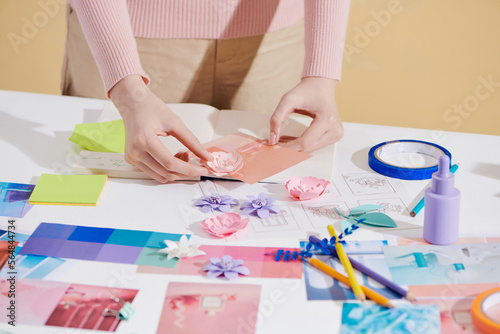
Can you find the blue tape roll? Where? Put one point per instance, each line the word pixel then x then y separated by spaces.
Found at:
pixel 377 163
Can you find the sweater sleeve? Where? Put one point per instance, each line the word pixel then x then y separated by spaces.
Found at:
pixel 107 28
pixel 325 31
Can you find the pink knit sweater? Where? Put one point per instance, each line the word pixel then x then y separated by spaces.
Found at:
pixel 110 27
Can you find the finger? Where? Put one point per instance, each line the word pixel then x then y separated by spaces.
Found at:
pixel 312 134
pixel 185 156
pixel 285 139
pixel 163 156
pixel 186 137
pixel 150 172
pixel 283 110
pixel 298 145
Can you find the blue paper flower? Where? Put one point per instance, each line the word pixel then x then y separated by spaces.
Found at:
pixel 259 206
pixel 216 202
pixel 226 266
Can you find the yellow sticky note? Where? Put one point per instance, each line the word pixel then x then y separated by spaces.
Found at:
pixel 100 137
pixel 68 189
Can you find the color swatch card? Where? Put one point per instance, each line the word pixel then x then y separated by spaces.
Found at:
pixel 62 304
pixel 14 199
pixel 100 244
pixel 209 308
pixel 68 189
pixel 259 264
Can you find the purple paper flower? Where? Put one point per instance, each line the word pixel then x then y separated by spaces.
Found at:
pixel 216 202
pixel 260 207
pixel 227 266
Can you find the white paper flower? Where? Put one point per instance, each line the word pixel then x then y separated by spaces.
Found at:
pixel 181 249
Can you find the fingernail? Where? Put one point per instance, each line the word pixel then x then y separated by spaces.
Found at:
pixel 272 138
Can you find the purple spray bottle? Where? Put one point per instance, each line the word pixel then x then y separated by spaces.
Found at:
pixel 442 206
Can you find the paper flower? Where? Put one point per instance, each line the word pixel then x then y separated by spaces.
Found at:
pixel 224 163
pixel 216 202
pixel 307 188
pixel 181 249
pixel 226 266
pixel 225 224
pixel 260 207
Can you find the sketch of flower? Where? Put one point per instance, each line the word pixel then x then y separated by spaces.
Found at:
pixel 226 266
pixel 181 249
pixel 216 202
pixel 259 206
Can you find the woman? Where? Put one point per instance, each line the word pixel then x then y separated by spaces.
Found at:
pixel 232 54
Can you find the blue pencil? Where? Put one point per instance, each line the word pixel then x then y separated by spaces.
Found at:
pixel 420 204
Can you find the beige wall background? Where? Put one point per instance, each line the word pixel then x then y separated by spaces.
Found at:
pixel 431 64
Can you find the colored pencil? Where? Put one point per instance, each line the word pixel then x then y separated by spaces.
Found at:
pixel 378 278
pixel 356 288
pixel 420 204
pixel 381 300
pixel 372 274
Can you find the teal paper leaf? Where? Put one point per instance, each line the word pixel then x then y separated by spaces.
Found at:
pixel 340 213
pixel 377 219
pixel 347 223
pixel 362 209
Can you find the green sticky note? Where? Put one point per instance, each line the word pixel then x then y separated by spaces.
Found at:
pixel 68 189
pixel 100 137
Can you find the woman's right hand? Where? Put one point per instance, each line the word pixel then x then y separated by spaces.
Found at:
pixel 146 117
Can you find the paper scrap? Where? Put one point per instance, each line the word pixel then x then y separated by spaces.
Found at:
pixel 14 199
pixel 453 264
pixel 375 319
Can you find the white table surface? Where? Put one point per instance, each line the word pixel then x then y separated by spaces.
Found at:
pixel 34 132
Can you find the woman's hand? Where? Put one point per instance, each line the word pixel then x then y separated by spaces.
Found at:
pixel 313 97
pixel 146 117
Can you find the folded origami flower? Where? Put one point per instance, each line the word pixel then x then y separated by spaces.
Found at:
pixel 226 266
pixel 216 202
pixel 181 249
pixel 225 224
pixel 224 163
pixel 307 188
pixel 259 206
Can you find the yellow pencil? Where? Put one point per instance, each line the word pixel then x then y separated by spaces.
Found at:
pixel 356 288
pixel 381 300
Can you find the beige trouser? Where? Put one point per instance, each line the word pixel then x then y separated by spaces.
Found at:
pixel 248 73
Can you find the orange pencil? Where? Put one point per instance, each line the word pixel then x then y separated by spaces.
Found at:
pixel 379 299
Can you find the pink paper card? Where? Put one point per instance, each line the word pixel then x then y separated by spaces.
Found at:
pixel 35 300
pixel 260 265
pixel 61 304
pixel 209 308
pixel 260 160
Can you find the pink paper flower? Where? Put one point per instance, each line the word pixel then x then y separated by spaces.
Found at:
pixel 225 224
pixel 307 188
pixel 224 163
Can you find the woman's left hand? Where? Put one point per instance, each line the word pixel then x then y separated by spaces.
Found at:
pixel 313 97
